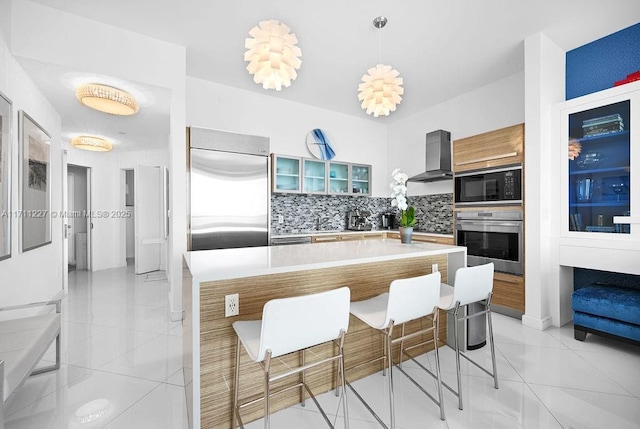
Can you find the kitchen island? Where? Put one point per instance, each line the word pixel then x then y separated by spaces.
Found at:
pixel 259 274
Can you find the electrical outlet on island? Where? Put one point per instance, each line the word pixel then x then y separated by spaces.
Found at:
pixel 231 305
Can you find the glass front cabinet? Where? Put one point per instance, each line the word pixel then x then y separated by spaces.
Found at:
pixel 360 179
pixel 600 167
pixel 314 179
pixel 292 174
pixel 286 173
pixel 338 177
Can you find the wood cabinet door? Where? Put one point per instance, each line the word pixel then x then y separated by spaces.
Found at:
pixel 432 239
pixel 508 291
pixel 492 149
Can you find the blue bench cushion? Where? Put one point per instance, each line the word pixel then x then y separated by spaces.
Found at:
pixel 617 303
pixel 610 326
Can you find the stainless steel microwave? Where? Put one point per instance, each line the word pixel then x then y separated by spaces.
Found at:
pixel 487 187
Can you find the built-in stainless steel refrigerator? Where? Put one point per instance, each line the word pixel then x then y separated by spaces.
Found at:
pixel 229 190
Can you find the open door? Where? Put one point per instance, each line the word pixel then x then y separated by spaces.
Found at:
pixel 149 219
pixel 65 222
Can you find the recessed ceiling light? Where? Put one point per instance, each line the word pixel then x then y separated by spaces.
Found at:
pixel 107 99
pixel 92 143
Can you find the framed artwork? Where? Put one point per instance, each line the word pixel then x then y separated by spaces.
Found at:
pixel 5 177
pixel 35 184
pixel 320 144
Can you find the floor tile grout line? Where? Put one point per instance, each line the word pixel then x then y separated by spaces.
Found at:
pixel 131 406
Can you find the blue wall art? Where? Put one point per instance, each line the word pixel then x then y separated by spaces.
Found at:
pixel 319 144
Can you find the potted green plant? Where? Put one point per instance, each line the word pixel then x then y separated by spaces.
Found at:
pixel 399 199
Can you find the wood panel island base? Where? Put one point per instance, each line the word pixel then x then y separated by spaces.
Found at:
pixel 259 274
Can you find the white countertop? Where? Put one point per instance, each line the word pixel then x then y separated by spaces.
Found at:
pixel 222 264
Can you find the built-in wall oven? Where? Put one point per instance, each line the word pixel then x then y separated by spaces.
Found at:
pixel 489 186
pixel 492 236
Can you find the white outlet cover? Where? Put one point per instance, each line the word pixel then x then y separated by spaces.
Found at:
pixel 231 305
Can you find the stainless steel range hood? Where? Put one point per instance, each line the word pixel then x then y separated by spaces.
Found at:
pixel 438 158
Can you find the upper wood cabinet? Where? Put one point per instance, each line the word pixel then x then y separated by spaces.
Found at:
pixel 492 149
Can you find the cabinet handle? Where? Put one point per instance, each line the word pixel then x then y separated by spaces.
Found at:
pixel 488 158
pixel 508 280
pixel 345 238
pixel 326 239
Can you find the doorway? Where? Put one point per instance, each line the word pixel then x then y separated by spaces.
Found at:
pixel 77 218
pixel 129 206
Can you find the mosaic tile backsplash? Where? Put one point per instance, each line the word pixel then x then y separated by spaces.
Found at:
pixel 304 213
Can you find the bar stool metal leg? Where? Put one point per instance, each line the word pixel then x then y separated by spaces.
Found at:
pixel 267 393
pixel 457 343
pixel 344 383
pixel 390 378
pixel 303 393
pixel 436 325
pixel 493 351
pixel 236 387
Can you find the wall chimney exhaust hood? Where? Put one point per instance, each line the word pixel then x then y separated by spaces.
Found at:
pixel 438 158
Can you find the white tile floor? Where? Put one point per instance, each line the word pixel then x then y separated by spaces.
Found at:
pixel 121 356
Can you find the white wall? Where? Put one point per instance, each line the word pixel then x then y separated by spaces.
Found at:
pixel 491 107
pixel 544 71
pixel 90 46
pixel 21 283
pixel 107 194
pixel 286 123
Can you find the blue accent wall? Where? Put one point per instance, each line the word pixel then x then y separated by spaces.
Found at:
pixel 597 65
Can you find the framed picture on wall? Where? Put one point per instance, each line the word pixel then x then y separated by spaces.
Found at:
pixel 35 184
pixel 5 177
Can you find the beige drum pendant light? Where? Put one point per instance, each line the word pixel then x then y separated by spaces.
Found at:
pixel 107 99
pixel 91 143
pixel 381 89
pixel 272 55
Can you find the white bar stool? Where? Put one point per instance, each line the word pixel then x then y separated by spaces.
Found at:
pixel 290 325
pixel 472 284
pixel 407 300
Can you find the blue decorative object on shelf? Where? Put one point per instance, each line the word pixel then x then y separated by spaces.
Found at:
pixel 319 144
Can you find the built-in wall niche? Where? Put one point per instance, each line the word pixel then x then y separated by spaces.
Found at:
pixel 129 188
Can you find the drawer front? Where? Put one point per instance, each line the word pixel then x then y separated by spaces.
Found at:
pixel 432 239
pixel 508 291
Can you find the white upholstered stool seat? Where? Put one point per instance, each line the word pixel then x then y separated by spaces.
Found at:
pixel 408 299
pixel 291 325
pixel 471 285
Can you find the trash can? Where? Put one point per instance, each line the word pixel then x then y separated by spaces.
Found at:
pixel 476 327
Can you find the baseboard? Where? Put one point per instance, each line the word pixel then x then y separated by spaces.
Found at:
pixel 516 314
pixel 177 316
pixel 539 324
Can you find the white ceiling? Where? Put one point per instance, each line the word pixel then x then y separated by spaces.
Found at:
pixel 442 49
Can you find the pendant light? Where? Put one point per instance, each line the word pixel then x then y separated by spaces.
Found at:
pixel 272 55
pixel 381 88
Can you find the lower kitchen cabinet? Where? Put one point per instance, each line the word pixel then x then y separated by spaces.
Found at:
pixel 424 238
pixel 508 291
pixel 324 238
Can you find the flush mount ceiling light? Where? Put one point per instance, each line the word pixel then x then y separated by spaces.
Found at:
pixel 107 99
pixel 272 54
pixel 381 89
pixel 92 143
